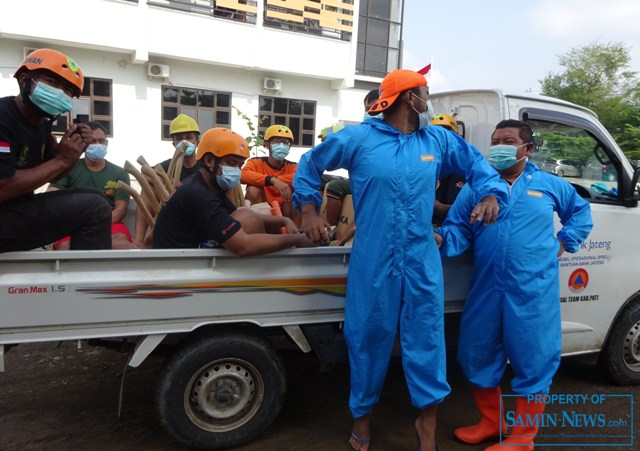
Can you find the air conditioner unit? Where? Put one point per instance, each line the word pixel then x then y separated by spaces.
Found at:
pixel 158 70
pixel 272 83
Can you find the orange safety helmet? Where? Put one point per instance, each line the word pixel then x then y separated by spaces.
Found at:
pixel 278 130
pixel 56 62
pixel 221 142
pixel 445 120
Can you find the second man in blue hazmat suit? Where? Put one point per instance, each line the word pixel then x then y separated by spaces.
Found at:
pixel 513 307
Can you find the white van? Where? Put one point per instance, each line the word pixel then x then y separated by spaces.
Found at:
pixel 599 284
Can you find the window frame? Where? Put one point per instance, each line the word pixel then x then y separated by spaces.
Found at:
pixel 271 117
pixel 88 94
pixel 188 109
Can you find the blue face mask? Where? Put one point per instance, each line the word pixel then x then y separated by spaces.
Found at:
pixel 96 152
pixel 503 156
pixel 187 146
pixel 424 118
pixel 279 151
pixel 229 179
pixel 369 116
pixel 52 101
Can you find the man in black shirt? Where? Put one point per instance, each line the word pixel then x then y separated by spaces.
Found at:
pixel 199 214
pixel 30 157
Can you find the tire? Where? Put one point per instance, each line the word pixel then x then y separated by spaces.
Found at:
pixel 621 356
pixel 560 173
pixel 221 390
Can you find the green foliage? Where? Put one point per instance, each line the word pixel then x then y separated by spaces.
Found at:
pixel 596 76
pixel 254 139
pixel 560 145
pixel 629 138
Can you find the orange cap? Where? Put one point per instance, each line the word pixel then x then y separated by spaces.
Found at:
pixel 393 84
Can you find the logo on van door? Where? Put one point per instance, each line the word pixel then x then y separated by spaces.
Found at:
pixel 578 280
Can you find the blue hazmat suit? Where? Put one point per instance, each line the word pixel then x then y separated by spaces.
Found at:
pixel 513 307
pixel 395 271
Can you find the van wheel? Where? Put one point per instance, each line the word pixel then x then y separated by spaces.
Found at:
pixel 560 173
pixel 621 356
pixel 221 390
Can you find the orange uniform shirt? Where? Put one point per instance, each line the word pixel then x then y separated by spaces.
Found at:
pixel 257 171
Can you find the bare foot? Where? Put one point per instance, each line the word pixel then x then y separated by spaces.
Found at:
pixel 360 434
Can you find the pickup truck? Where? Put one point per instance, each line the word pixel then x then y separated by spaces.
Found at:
pixel 221 320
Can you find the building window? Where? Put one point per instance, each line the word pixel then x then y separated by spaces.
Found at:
pixel 333 19
pixel 379 37
pixel 298 115
pixel 95 104
pixel 209 108
pixel 236 10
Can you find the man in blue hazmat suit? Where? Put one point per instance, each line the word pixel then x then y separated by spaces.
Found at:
pixel 395 273
pixel 513 307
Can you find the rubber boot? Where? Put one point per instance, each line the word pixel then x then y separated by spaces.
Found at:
pixel 492 424
pixel 525 429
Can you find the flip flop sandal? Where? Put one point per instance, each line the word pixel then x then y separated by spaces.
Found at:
pixel 361 441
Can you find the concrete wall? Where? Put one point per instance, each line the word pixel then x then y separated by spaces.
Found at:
pixel 115 39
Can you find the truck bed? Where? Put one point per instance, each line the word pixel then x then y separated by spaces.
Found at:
pixel 50 296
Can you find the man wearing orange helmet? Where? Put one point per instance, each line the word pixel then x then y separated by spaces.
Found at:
pixel 30 157
pixel 199 214
pixel 271 178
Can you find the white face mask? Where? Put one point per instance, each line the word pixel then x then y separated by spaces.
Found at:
pixel 424 118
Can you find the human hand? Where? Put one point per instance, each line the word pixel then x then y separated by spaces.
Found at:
pixel 488 209
pixel 315 228
pixel 283 188
pixel 73 143
pixel 303 241
pixel 438 239
pixel 290 225
pixel 562 248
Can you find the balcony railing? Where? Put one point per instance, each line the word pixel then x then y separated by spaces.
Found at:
pixel 237 10
pixel 329 18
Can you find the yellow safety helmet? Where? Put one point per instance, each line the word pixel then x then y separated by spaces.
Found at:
pixel 221 142
pixel 278 130
pixel 446 121
pixel 183 124
pixel 56 62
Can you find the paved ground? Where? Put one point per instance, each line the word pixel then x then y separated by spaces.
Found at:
pixel 64 398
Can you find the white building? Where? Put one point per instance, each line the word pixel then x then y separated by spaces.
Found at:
pixel 305 63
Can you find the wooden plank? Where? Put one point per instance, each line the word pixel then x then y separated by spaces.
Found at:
pixel 285 4
pixel 235 4
pixel 285 16
pixel 330 19
pixel 338 4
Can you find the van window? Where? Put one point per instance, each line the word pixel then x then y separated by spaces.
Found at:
pixel 574 154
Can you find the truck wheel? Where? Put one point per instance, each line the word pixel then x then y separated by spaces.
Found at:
pixel 221 390
pixel 621 356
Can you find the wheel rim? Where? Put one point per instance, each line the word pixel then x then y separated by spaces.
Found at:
pixel 223 395
pixel 631 348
